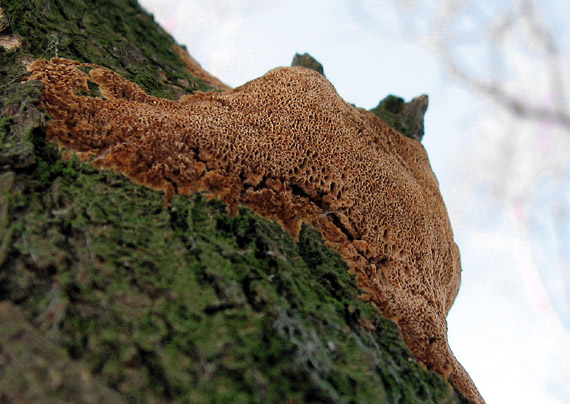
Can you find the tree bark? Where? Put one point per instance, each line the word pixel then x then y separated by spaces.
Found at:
pixel 107 295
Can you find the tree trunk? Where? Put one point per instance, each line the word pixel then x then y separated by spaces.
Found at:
pixel 107 295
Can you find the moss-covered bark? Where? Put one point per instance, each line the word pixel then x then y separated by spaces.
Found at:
pixel 108 296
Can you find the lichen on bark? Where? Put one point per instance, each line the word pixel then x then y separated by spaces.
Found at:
pixel 180 304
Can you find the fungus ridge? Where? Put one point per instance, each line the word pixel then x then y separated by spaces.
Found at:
pixel 288 147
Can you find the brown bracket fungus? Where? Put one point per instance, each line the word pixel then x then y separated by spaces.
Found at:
pixel 287 146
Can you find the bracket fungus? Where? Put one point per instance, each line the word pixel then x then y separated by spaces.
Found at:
pixel 288 147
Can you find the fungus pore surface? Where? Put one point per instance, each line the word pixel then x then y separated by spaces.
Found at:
pixel 288 147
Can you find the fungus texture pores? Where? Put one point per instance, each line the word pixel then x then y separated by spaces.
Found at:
pixel 287 146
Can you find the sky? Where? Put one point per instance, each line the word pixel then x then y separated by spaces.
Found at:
pixel 510 325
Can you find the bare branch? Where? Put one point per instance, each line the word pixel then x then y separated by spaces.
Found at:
pixel 526 16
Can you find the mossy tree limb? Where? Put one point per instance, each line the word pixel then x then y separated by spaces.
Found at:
pixel 180 304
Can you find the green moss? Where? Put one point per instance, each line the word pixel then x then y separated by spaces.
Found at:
pixel 117 34
pixel 406 117
pixel 186 303
pixel 307 61
pixel 18 115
